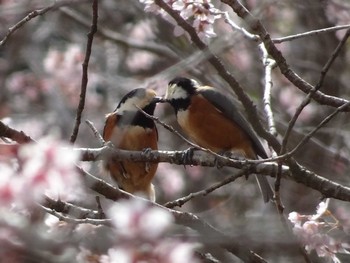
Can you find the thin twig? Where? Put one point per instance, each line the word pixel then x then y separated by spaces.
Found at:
pixel 269 64
pixel 183 200
pixel 307 99
pixel 245 32
pixel 70 209
pixel 17 136
pixel 122 39
pixel 305 102
pixel 301 175
pixel 256 26
pixel 34 14
pixel 85 65
pixel 330 61
pixel 310 33
pixel 93 221
pixel 96 133
pixel 319 126
pixel 227 76
pixel 206 231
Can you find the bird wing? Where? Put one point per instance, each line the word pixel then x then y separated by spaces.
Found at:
pixel 227 107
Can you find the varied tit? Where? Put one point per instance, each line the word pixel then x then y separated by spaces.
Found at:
pixel 211 120
pixel 129 129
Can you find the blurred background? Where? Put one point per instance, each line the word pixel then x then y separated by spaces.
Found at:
pixel 40 79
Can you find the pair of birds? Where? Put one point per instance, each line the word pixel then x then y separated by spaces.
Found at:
pixel 206 115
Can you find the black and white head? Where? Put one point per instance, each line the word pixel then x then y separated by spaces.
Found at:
pixel 137 98
pixel 179 93
pixel 129 107
pixel 181 88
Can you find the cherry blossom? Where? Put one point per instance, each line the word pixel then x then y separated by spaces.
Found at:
pixel 136 220
pixel 46 167
pixel 314 232
pixel 201 14
pixel 141 232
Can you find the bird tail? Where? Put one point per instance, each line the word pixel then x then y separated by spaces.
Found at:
pixel 265 188
pixel 263 183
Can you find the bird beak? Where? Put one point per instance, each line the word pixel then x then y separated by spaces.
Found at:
pixel 158 99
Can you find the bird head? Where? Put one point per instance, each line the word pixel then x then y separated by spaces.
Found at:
pixel 180 88
pixel 138 98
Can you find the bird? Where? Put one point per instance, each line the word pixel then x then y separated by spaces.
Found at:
pixel 211 120
pixel 128 128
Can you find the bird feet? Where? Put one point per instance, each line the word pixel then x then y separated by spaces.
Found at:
pixel 188 155
pixel 147 153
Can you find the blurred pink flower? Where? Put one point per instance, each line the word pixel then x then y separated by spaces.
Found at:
pixel 64 70
pixel 169 251
pixel 141 232
pixel 313 232
pixel 46 167
pixel 295 218
pixel 134 219
pixel 25 88
pixel 171 180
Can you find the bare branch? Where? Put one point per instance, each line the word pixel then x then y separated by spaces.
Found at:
pixel 227 76
pixel 17 136
pixel 269 64
pixel 183 200
pixel 121 39
pixel 310 33
pixel 75 221
pixel 330 61
pixel 84 81
pixel 70 209
pixel 299 174
pixel 34 14
pixel 256 26
pixel 310 134
pixel 96 133
pixel 207 232
pixel 307 99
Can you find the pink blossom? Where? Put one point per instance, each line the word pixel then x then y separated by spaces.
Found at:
pixel 313 232
pixel 141 235
pixel 295 218
pixel 46 167
pixel 171 181
pixel 134 219
pixel 201 14
pixel 167 250
pixel 321 209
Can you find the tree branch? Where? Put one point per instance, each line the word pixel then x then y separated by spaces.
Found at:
pixel 34 14
pixel 84 81
pixel 310 33
pixel 227 76
pixel 285 69
pixel 76 221
pixel 208 233
pixel 183 200
pixel 307 100
pixel 301 175
pixel 296 172
pixel 17 136
pixel 120 39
